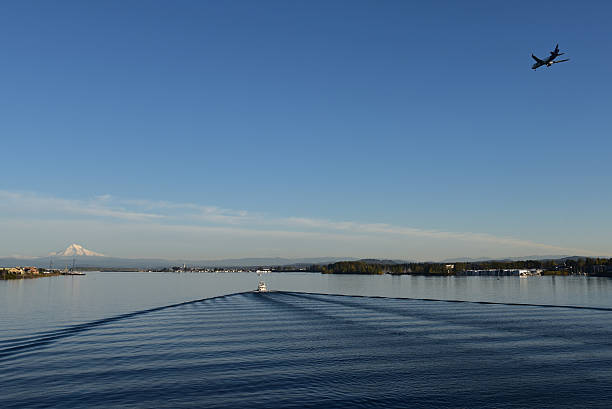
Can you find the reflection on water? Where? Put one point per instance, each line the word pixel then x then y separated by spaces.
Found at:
pixel 44 304
pixel 581 291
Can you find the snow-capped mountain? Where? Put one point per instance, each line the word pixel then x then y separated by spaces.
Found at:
pixel 76 250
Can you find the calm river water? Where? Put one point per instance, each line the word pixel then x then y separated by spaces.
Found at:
pixel 141 340
pixel 46 303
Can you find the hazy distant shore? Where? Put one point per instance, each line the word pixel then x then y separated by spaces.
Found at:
pixel 583 266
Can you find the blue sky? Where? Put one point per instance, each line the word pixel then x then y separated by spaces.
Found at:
pixel 423 117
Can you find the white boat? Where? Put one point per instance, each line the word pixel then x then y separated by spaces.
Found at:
pixel 72 271
pixel 261 288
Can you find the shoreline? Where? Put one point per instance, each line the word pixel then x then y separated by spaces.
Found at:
pixel 13 276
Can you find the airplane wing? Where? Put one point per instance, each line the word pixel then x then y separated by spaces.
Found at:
pixel 567 59
pixel 537 59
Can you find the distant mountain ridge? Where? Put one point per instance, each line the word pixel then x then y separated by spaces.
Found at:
pixel 475 260
pixel 145 263
pixel 383 261
pixel 91 259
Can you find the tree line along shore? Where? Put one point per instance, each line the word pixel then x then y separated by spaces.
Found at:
pixel 599 267
pixel 571 266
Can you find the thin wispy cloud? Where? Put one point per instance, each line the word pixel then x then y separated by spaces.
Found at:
pixel 209 219
pixel 382 228
pixel 100 206
pixel 202 213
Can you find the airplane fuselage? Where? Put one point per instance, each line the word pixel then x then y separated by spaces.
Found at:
pixel 547 62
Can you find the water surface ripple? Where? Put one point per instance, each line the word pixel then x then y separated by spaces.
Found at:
pixel 288 349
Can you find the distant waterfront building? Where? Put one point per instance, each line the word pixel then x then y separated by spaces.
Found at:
pixel 502 272
pixel 20 270
pixel 601 269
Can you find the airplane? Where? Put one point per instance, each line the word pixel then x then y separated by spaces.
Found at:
pixel 549 60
